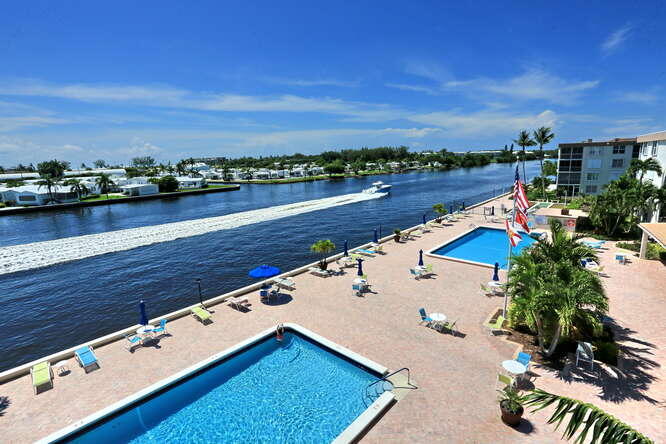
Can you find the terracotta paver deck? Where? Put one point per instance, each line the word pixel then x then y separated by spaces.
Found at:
pixel 456 400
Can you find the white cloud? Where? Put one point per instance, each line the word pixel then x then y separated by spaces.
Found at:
pixel 14 123
pixel 645 97
pixel 487 123
pixel 533 84
pixel 169 97
pixel 314 82
pixel 631 127
pixel 615 40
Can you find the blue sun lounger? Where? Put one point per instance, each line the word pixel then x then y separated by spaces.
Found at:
pixel 87 358
pixel 366 252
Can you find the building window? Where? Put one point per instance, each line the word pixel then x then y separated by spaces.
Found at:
pixel 590 189
pixel 618 149
pixel 654 149
pixel 617 163
pixel 27 198
pixel 592 176
pixel 594 163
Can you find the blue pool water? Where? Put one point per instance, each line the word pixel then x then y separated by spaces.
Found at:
pixel 289 391
pixel 484 245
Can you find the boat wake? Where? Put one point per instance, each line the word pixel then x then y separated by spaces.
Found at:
pixel 41 254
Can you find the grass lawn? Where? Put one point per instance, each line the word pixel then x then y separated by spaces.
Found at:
pixel 102 197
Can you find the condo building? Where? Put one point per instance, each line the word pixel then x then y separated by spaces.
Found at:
pixel 653 145
pixel 585 167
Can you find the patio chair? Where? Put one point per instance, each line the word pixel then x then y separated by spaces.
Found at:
pixel 162 328
pixel 496 326
pixel 357 289
pixel 450 326
pixel 415 273
pixel 428 269
pixel 86 358
pixel 366 252
pixel 485 290
pixel 378 248
pixel 42 375
pixel 585 353
pixel 201 314
pixel 239 303
pixel 621 258
pixel 316 271
pixel 425 318
pixel 132 341
pixel 508 381
pixel 524 358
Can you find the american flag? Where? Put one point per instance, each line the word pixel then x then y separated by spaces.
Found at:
pixel 521 218
pixel 514 237
pixel 519 195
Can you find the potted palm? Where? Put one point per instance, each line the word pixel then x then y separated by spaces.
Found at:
pixel 440 210
pixel 396 235
pixel 323 247
pixel 511 405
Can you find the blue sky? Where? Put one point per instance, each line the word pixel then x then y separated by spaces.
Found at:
pixel 88 80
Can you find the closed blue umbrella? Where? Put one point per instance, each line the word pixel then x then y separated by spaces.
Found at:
pixel 420 258
pixel 380 231
pixel 375 240
pixel 346 248
pixel 360 267
pixel 463 205
pixel 424 219
pixel 492 210
pixel 451 209
pixel 143 320
pixel 496 273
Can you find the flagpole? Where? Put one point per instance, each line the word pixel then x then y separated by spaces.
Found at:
pixel 508 264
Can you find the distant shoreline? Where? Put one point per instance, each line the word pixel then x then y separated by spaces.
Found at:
pixel 120 200
pixel 316 178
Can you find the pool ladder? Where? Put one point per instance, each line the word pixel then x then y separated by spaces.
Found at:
pixel 385 379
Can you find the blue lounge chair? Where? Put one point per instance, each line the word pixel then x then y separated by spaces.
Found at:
pixel 524 358
pixel 132 341
pixel 87 358
pixel 425 318
pixel 357 289
pixel 366 252
pixel 162 328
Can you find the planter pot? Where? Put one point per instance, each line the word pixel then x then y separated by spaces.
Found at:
pixel 510 418
pixel 396 237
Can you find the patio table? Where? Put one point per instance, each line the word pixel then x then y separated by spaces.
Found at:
pixel 514 367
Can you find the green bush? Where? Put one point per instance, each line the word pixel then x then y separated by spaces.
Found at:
pixel 654 251
pixel 606 352
pixel 3 205
pixel 168 184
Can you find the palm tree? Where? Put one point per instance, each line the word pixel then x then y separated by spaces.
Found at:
pixel 76 186
pixel 323 247
pixel 440 209
pixel 551 292
pixel 641 167
pixel 524 140
pixel 605 428
pixel 105 183
pixel 49 182
pixel 542 136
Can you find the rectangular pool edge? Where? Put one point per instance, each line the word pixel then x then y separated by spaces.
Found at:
pixel 358 426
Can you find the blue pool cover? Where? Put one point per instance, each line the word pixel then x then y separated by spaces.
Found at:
pixel 289 391
pixel 484 245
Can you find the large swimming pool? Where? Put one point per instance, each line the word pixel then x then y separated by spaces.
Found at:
pixel 290 391
pixel 482 245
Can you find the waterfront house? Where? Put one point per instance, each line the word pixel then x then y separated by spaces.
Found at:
pixel 297 172
pixel 261 174
pixel 140 189
pixel 36 195
pixel 585 167
pixel 190 182
pixel 653 146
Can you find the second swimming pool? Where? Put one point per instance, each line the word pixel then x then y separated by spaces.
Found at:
pixel 482 245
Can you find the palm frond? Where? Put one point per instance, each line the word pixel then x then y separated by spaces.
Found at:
pixel 605 427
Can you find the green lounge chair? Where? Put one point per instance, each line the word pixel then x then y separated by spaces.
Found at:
pixel 41 375
pixel 497 325
pixel 450 326
pixel 201 313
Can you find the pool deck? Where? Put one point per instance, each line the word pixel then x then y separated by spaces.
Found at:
pixel 456 398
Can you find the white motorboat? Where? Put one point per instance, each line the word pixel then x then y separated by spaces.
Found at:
pixel 378 187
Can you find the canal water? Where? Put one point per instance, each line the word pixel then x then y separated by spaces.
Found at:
pixel 51 308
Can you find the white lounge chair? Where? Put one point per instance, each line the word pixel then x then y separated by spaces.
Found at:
pixel 585 353
pixel 319 272
pixel 239 302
